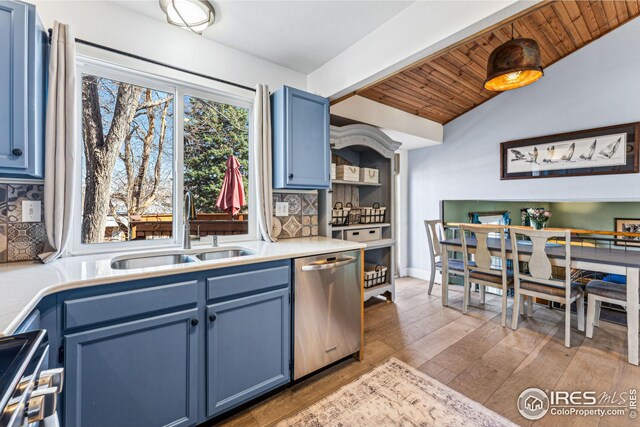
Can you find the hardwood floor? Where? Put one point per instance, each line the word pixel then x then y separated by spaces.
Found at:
pixel 474 355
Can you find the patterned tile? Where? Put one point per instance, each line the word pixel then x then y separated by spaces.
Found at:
pixel 295 203
pixel 310 204
pixel 292 228
pixel 16 194
pixel 306 231
pixel 25 240
pixel 314 230
pixel 3 242
pixel 276 198
pixel 276 226
pixel 3 203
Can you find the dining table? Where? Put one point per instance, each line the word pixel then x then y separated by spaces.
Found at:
pixel 609 260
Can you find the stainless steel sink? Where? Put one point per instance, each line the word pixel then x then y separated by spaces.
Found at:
pixel 222 253
pixel 150 261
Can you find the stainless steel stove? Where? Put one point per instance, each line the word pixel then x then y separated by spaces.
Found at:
pixel 28 391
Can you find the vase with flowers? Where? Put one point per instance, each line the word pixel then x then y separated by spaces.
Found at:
pixel 538 218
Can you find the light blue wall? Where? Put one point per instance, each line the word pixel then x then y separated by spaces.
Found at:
pixel 597 86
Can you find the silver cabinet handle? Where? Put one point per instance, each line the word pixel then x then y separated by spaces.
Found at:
pixel 43 403
pixel 323 265
pixel 52 378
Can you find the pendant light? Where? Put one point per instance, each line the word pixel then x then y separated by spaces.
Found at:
pixel 193 15
pixel 513 64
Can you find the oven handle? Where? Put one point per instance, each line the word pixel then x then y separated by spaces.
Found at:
pixel 326 266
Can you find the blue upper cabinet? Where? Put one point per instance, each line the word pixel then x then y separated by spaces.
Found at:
pixel 23 51
pixel 301 154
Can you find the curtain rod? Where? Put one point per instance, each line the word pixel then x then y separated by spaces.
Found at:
pixel 153 61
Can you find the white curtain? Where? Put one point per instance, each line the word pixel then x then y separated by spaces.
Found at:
pixel 263 172
pixel 60 142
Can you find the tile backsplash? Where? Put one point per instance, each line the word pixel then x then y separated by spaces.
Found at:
pixel 20 241
pixel 302 220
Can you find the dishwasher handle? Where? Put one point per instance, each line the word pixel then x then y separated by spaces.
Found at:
pixel 323 265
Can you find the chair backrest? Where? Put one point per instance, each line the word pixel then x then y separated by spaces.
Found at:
pixel 540 269
pixel 435 233
pixel 482 255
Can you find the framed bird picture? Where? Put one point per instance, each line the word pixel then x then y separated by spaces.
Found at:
pixel 607 150
pixel 627 225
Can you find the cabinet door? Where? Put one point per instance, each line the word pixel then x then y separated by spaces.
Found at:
pixel 140 373
pixel 248 349
pixel 308 162
pixel 14 96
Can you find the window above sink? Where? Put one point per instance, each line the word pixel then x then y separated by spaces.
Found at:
pixel 145 141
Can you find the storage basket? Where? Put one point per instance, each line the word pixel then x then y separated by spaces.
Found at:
pixel 374 275
pixel 348 173
pixel 369 175
pixel 340 214
pixel 355 214
pixel 373 215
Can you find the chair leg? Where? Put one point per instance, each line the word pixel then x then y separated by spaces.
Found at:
pixel 517 300
pixel 596 319
pixel 521 305
pixel 504 309
pixel 530 306
pixel 567 324
pixel 580 306
pixel 591 315
pixel 482 294
pixel 465 298
pixel 433 277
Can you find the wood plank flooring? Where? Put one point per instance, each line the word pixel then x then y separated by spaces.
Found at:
pixel 472 354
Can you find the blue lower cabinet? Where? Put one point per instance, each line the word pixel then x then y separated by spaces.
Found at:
pixel 134 374
pixel 248 348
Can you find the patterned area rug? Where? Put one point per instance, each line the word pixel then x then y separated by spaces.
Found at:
pixel 395 394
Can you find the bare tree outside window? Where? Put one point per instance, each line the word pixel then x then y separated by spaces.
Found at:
pixel 128 162
pixel 128 156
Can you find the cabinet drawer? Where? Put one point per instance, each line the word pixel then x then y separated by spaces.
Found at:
pixel 364 234
pixel 106 308
pixel 245 282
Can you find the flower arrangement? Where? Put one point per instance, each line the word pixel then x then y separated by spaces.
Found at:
pixel 537 217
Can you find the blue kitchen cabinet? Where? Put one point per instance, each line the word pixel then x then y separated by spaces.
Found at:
pixel 301 152
pixel 248 348
pixel 23 52
pixel 174 350
pixel 138 373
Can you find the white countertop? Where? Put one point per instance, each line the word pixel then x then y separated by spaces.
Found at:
pixel 23 285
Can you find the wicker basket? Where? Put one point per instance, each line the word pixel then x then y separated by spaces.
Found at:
pixel 355 214
pixel 374 275
pixel 340 215
pixel 373 215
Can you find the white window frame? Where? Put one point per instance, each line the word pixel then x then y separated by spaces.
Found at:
pixel 180 89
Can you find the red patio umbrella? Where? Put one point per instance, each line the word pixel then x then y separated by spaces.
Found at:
pixel 231 198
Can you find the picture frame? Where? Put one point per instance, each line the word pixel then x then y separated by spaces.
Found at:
pixel 627 225
pixel 598 151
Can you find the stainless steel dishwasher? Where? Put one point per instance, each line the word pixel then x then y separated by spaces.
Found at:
pixel 327 305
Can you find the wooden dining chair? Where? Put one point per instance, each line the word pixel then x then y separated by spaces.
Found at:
pixel 599 291
pixel 539 283
pixel 435 233
pixel 483 272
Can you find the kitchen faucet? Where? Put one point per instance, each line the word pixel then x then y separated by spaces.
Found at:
pixel 189 211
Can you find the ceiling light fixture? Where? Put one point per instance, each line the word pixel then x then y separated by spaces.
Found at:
pixel 513 64
pixel 193 15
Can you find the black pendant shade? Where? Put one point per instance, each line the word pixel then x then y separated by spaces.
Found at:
pixel 513 64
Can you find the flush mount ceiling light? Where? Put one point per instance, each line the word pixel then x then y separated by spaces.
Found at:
pixel 513 64
pixel 194 15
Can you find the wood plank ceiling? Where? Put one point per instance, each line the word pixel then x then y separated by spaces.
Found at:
pixel 449 83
